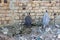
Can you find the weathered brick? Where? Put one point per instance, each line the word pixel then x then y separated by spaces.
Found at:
pixel 37 9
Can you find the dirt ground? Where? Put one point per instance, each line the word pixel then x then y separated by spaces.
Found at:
pixel 5 37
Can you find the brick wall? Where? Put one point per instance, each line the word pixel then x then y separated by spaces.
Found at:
pixel 16 11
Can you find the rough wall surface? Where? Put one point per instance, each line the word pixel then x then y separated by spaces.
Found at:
pixel 16 10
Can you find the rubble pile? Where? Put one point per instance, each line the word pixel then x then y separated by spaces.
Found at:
pixel 36 33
